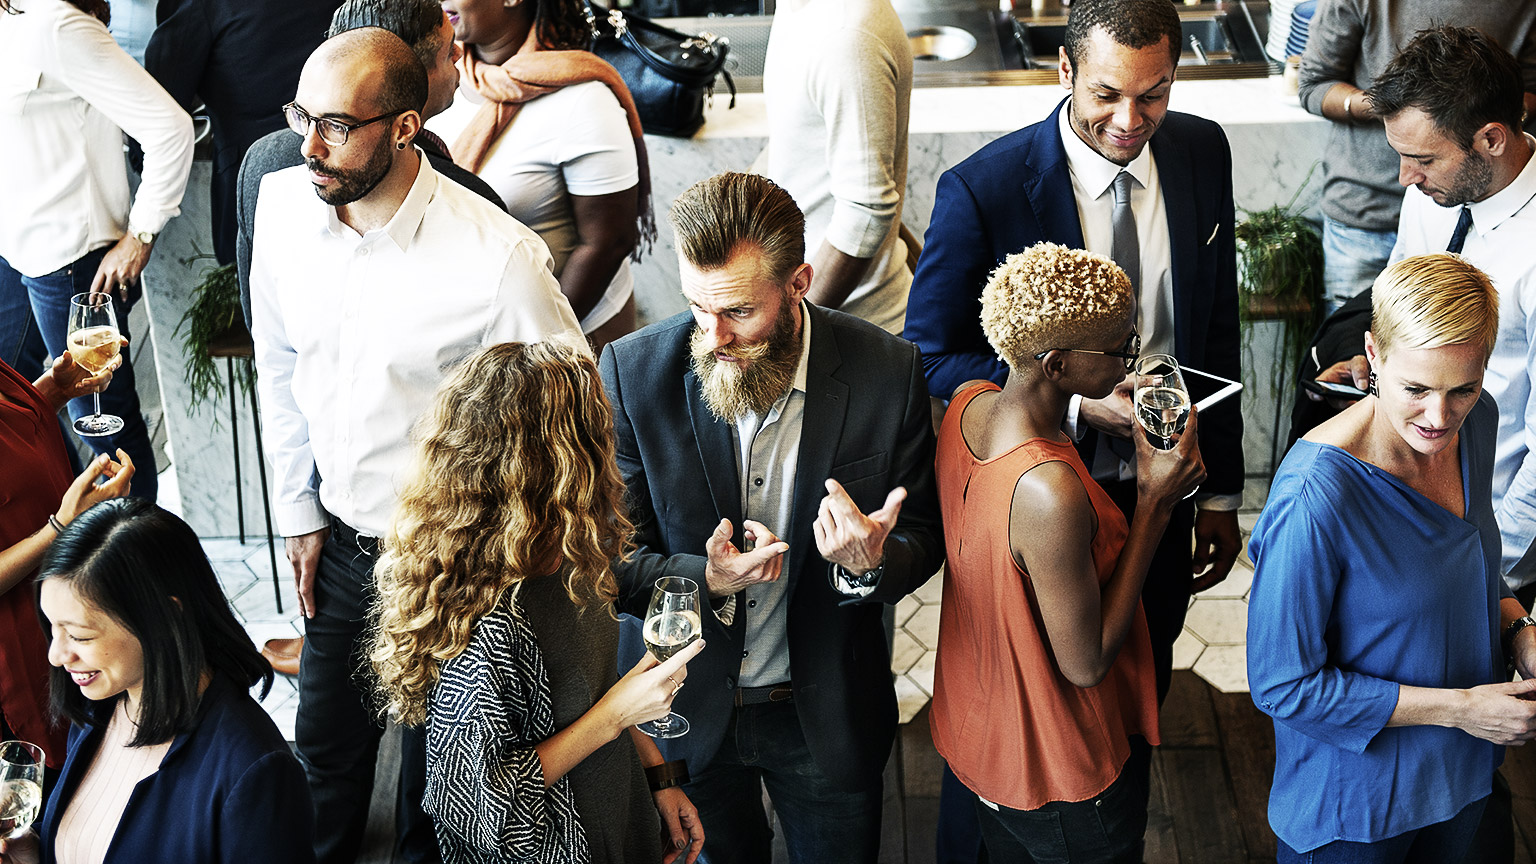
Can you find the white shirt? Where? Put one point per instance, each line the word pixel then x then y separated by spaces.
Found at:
pixel 574 141
pixel 67 94
pixel 355 332
pixel 1500 243
pixel 838 82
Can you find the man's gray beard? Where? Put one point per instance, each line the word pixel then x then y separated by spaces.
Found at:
pixel 731 392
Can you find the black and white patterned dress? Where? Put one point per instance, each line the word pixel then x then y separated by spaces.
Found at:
pixel 533 666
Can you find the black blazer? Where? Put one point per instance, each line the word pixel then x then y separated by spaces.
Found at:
pixel 1017 191
pixel 867 425
pixel 242 58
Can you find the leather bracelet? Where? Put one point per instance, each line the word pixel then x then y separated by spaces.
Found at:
pixel 55 524
pixel 667 774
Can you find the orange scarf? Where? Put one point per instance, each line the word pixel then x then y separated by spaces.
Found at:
pixel 533 72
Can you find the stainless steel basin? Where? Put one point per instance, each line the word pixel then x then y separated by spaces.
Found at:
pixel 940 44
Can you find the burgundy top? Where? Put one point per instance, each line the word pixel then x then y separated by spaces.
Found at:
pixel 34 474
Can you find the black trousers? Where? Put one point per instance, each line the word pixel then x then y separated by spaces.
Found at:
pixel 1165 595
pixel 339 727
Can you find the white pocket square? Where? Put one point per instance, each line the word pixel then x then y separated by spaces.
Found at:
pixel 1215 229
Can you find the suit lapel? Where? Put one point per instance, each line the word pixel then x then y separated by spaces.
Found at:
pixel 713 437
pixel 821 428
pixel 1176 175
pixel 1049 188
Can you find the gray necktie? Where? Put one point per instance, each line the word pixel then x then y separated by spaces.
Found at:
pixel 1126 249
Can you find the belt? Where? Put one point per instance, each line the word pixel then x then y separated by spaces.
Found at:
pixel 760 695
pixel 350 538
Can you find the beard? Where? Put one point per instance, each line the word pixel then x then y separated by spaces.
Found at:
pixel 1470 183
pixel 352 185
pixel 764 370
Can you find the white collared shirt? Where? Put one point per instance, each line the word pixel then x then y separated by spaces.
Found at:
pixel 355 332
pixel 1500 244
pixel 67 94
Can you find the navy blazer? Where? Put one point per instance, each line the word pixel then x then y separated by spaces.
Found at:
pixel 1016 192
pixel 867 425
pixel 228 791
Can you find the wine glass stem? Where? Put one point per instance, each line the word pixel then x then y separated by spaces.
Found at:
pixel 97 397
pixel 663 724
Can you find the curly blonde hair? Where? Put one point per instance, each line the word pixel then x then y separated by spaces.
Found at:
pixel 514 477
pixel 1049 296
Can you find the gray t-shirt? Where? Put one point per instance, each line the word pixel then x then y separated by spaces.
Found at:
pixel 1353 41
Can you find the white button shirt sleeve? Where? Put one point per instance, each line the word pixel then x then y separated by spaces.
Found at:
pixel 529 304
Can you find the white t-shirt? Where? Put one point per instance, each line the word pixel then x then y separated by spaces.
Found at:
pixel 575 141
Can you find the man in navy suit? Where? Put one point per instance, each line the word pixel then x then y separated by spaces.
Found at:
pixel 1086 178
pixel 758 416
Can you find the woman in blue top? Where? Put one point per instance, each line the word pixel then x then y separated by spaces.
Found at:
pixel 1376 615
pixel 169 759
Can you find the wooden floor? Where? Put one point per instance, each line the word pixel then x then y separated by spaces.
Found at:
pixel 1210 787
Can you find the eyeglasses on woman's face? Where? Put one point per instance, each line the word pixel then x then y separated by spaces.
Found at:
pixel 1128 352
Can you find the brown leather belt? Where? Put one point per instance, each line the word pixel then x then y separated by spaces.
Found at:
pixel 760 695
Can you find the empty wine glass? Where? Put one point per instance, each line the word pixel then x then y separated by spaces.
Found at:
pixel 21 786
pixel 93 342
pixel 672 623
pixel 1162 402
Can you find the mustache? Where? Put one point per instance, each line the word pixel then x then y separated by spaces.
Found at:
pixel 314 164
pixel 753 352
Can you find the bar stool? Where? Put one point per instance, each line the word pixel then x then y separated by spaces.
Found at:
pixel 231 345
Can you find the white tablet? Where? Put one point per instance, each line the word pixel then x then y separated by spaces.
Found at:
pixel 1228 387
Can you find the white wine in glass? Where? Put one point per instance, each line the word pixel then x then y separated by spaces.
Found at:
pixel 21 786
pixel 93 342
pixel 1162 402
pixel 672 623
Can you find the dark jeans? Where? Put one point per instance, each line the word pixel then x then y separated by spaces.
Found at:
pixel 1108 828
pixel 1165 594
pixel 1441 843
pixel 33 309
pixel 958 835
pixel 338 726
pixel 764 746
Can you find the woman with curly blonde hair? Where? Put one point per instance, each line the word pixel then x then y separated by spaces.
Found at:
pixel 494 624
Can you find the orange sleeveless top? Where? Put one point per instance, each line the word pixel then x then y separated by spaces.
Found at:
pixel 1013 728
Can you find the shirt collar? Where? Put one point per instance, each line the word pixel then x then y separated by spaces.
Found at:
pixel 1092 170
pixel 805 347
pixel 402 226
pixel 1490 212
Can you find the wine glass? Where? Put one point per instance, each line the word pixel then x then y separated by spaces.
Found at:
pixel 1162 402
pixel 672 623
pixel 93 342
pixel 21 786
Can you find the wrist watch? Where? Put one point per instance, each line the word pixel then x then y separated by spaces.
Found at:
pixel 865 579
pixel 145 237
pixel 1511 632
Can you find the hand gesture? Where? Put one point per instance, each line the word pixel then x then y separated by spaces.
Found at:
pixel 74 380
pixel 731 570
pixel 121 267
pixel 847 537
pixel 304 554
pixel 1502 713
pixel 1114 414
pixel 680 827
pixel 1166 477
pixel 85 492
pixel 20 850
pixel 646 691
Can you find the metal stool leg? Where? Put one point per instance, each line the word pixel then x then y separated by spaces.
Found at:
pixel 266 500
pixel 234 435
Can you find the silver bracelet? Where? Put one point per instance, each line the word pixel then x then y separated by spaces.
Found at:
pixel 55 524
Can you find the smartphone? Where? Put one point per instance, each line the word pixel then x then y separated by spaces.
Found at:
pixel 1330 389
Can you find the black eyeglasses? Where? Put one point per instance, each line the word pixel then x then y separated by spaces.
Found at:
pixel 333 132
pixel 1129 351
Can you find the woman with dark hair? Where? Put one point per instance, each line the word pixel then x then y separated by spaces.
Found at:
pixel 552 128
pixel 495 625
pixel 37 499
pixel 168 751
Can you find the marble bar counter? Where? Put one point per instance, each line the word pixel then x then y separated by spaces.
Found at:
pixel 1275 143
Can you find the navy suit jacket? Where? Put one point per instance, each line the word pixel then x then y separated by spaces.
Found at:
pixel 1016 192
pixel 228 791
pixel 867 425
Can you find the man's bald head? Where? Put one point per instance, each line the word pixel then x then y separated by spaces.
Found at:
pixel 378 64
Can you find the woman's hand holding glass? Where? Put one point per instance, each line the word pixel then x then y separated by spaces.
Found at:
pixel 1166 477
pixel 20 850
pixel 645 693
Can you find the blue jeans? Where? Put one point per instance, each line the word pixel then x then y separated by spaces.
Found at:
pixel 39 307
pixel 1441 843
pixel 1352 259
pixel 764 745
pixel 1108 828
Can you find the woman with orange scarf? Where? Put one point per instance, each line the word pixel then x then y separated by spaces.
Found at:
pixel 552 128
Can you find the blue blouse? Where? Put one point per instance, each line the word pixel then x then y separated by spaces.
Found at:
pixel 1361 585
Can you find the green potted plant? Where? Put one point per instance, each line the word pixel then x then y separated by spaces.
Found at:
pixel 212 326
pixel 1280 277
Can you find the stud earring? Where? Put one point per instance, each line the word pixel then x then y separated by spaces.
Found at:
pixel 1370 386
pixel 400 145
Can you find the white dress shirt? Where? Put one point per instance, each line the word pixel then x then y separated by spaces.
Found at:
pixel 355 332
pixel 1500 244
pixel 67 94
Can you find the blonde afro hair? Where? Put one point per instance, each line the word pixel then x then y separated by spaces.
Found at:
pixel 1049 296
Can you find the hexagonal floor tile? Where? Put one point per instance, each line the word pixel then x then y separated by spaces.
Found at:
pixel 924 626
pixel 1225 667
pixel 922 671
pixel 1186 650
pixel 933 590
pixel 1219 622
pixel 910 699
pixel 904 609
pixel 1234 587
pixel 904 652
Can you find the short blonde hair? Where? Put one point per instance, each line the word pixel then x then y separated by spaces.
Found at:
pixel 1429 301
pixel 1049 296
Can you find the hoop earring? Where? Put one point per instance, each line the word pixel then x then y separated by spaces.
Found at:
pixel 1370 386
pixel 400 145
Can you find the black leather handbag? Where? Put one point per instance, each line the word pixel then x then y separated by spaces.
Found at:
pixel 668 72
